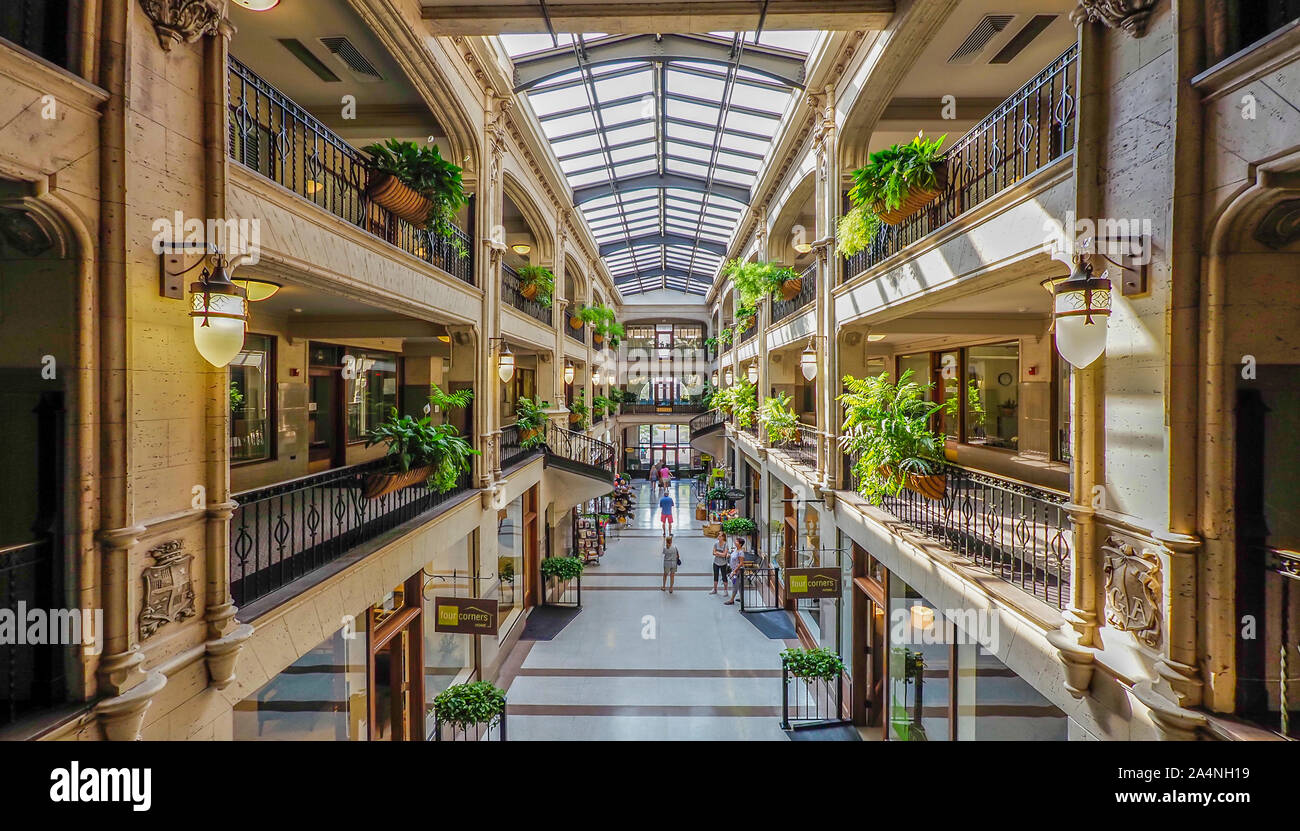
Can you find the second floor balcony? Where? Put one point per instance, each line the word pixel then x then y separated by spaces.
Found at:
pixel 512 293
pixel 271 134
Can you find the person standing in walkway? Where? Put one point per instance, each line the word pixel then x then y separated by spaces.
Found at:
pixel 672 559
pixel 666 514
pixel 720 565
pixel 665 477
pixel 653 476
pixel 735 563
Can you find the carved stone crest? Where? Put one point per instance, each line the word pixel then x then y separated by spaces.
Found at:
pixel 1133 590
pixel 183 21
pixel 1130 15
pixel 168 589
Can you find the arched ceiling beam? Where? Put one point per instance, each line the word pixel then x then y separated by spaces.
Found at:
pixel 778 64
pixel 655 180
pixel 663 239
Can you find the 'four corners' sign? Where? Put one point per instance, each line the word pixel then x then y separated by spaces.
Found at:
pixel 812 582
pixel 465 615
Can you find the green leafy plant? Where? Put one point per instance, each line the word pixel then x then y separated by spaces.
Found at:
pixel 601 405
pixel 778 417
pixel 756 279
pixel 530 418
pixel 726 335
pixel 594 314
pixel 717 492
pixel 856 230
pixel 562 568
pixel 890 174
pixel 887 428
pixel 744 403
pixel 423 169
pixel 813 664
pixel 974 404
pixel 236 398
pixel 739 526
pixel 581 410
pixel 711 342
pixel 458 400
pixel 540 277
pixel 506 569
pixel 463 705
pixel 415 443
pixel 745 314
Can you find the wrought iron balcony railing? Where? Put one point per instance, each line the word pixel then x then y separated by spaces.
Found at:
pixel 802 449
pixel 512 291
pixel 1027 132
pixel 284 531
pixel 272 135
pixel 782 309
pixel 1016 531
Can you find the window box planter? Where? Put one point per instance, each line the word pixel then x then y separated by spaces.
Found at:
pixel 791 287
pixel 915 199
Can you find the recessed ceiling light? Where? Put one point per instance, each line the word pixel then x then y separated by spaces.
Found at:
pixel 258 5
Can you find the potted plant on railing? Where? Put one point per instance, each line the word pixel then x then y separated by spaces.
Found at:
pixel 778 418
pixel 900 180
pixel 530 420
pixel 536 282
pixel 725 336
pixel 417 184
pixel 420 451
pixel 756 279
pixel 559 572
pixel 745 317
pixel 811 665
pixel 744 403
pixel 887 430
pixel 607 327
pixel 578 411
pixel 602 406
pixel 856 230
pixel 468 705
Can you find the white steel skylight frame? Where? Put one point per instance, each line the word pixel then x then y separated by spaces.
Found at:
pixel 661 138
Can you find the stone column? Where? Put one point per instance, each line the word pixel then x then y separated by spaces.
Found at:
pixel 826 207
pixel 491 233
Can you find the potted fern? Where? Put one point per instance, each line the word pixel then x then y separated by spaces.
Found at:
pixel 725 335
pixel 900 180
pixel 744 403
pixel 602 406
pixel 758 279
pixel 417 184
pixel 530 419
pixel 536 282
pixel 420 451
pixel 778 418
pixel 887 430
pixel 578 410
pixel 745 316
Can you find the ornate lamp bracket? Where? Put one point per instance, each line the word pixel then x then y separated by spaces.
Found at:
pixel 183 21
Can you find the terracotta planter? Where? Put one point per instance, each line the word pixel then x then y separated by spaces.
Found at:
pixel 380 484
pixel 525 435
pixel 385 190
pixel 597 337
pixel 791 287
pixel 915 199
pixel 933 486
pixel 528 290
pixel 575 323
pixel 745 324
pixel 574 418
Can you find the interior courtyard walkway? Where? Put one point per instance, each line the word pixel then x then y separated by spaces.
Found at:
pixel 638 663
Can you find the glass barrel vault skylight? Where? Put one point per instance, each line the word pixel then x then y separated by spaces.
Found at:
pixel 661 138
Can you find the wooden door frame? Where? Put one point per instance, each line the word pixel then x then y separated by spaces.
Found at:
pixel 529 535
pixel 339 441
pixel 407 619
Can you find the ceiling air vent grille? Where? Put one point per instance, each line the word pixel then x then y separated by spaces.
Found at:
pixel 990 27
pixel 1035 27
pixel 343 49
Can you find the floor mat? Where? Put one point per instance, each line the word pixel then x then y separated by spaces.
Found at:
pixel 827 733
pixel 546 622
pixel 777 624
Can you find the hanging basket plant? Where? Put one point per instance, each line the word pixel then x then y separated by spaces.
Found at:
pixel 420 451
pixel 791 286
pixel 536 282
pixel 900 180
pixel 416 183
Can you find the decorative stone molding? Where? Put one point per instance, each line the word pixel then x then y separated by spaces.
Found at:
pixel 122 716
pixel 1280 227
pixel 221 654
pixel 1130 15
pixel 1172 723
pixel 183 21
pixel 1079 661
pixel 1133 590
pixel 168 589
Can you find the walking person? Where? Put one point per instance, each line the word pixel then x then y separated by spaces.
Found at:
pixel 736 562
pixel 672 559
pixel 720 564
pixel 665 477
pixel 653 476
pixel 666 506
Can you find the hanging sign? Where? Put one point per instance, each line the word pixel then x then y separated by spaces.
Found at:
pixel 465 615
pixel 812 582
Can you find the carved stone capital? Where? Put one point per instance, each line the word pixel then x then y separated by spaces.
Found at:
pixel 122 716
pixel 1130 15
pixel 1078 660
pixel 183 21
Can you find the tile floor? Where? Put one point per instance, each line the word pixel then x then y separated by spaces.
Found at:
pixel 638 663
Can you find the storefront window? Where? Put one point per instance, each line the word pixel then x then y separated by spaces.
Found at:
pixel 811 610
pixel 918 364
pixel 919 664
pixel 371 393
pixel 992 400
pixel 776 522
pixel 949 386
pixel 321 696
pixel 251 374
pixel 995 704
pixel 510 560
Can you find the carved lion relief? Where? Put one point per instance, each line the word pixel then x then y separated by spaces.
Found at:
pixel 1133 590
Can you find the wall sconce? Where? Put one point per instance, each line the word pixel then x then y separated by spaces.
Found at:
pixel 219 310
pixel 595 377
pixel 521 248
pixel 1081 309
pixel 808 361
pixel 729 378
pixel 752 373
pixel 714 379
pixel 256 290
pixel 568 372
pixel 803 247
pixel 505 361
